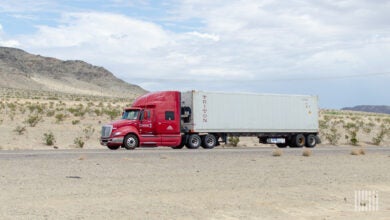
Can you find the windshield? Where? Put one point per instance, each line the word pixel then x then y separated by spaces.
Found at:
pixel 130 114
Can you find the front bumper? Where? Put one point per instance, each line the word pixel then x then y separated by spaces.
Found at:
pixel 117 141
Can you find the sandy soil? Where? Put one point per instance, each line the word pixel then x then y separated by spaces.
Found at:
pixel 200 184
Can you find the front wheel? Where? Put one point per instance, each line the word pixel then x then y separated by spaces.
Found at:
pixel 130 142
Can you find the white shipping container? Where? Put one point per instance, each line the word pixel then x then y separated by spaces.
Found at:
pixel 213 112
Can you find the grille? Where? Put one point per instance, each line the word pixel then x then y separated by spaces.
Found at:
pixel 106 130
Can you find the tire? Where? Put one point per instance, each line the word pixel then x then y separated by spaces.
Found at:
pixel 280 145
pixel 311 141
pixel 298 140
pixel 113 147
pixel 130 142
pixel 193 141
pixel 209 141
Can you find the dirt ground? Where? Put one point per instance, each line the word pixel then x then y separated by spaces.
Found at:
pixel 161 183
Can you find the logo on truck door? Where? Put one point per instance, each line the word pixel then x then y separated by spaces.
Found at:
pixel 204 110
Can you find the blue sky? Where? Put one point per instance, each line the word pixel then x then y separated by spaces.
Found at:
pixel 338 50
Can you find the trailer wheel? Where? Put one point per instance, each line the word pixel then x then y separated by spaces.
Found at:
pixel 130 142
pixel 311 140
pixel 193 141
pixel 113 147
pixel 209 141
pixel 298 140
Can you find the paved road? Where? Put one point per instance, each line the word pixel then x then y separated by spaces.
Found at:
pixel 145 152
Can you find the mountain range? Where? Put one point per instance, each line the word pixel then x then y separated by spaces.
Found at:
pixel 22 70
pixel 370 108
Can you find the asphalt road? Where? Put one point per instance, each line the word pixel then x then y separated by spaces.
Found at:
pixel 145 152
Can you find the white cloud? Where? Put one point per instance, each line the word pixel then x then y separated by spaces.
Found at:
pixel 238 41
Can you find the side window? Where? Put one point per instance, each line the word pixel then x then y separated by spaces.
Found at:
pixel 169 115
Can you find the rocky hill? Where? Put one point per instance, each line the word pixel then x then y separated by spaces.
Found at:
pixel 370 108
pixel 21 70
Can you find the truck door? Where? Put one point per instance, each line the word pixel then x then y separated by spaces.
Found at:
pixel 169 128
pixel 147 128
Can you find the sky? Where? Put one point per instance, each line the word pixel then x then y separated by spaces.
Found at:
pixel 338 50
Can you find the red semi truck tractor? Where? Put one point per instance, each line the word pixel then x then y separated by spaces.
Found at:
pixel 196 118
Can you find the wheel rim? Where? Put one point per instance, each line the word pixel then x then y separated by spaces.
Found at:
pixel 299 140
pixel 131 142
pixel 311 141
pixel 195 141
pixel 210 141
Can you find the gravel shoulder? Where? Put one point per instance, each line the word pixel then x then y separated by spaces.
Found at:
pixel 202 184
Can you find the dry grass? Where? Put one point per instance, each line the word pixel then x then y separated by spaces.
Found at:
pixel 307 153
pixel 277 153
pixel 357 152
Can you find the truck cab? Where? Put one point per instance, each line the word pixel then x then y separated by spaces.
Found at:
pixel 153 120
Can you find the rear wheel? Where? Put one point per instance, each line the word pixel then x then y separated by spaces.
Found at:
pixel 311 140
pixel 193 141
pixel 209 141
pixel 130 142
pixel 298 140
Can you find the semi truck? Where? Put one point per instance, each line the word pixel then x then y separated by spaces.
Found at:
pixel 198 118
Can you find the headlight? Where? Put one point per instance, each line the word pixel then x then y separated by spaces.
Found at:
pixel 117 133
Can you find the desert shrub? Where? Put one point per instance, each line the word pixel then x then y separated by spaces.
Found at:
pixel 59 117
pixel 50 113
pixel 77 111
pixel 357 152
pixel 79 142
pixel 98 112
pixel 33 120
pixel 20 129
pixel 88 132
pixel 323 124
pixel 11 106
pixel 306 153
pixel 37 108
pixel 377 140
pixel 333 136
pixel 352 137
pixel 11 116
pixel 350 125
pixel 277 153
pixel 75 122
pixel 234 140
pixel 49 138
pixel 112 113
